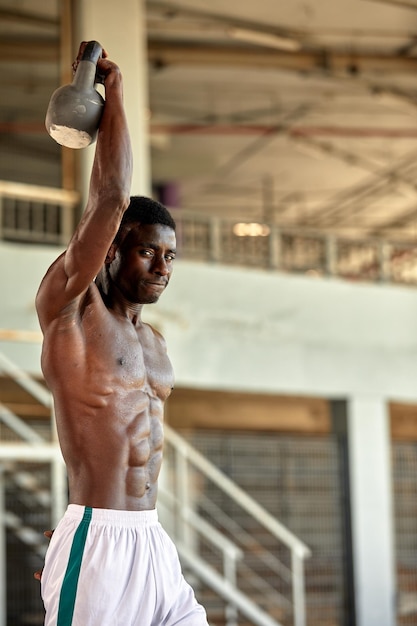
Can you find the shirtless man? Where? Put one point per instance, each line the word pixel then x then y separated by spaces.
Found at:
pixel 109 561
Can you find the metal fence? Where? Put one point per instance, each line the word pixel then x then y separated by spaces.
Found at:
pixel 297 479
pixel 251 564
pixel 404 454
pixel 210 239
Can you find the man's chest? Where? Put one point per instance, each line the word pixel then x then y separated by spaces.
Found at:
pixel 132 358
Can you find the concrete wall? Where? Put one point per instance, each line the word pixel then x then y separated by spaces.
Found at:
pixel 243 329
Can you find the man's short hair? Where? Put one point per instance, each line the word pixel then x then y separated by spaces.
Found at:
pixel 143 210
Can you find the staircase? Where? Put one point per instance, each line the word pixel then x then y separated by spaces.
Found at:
pixel 246 569
pixel 252 562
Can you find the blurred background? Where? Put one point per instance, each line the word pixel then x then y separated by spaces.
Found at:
pixel 283 138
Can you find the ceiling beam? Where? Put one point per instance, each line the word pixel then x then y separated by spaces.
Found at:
pixel 172 11
pixel 28 19
pixel 29 49
pixel 164 54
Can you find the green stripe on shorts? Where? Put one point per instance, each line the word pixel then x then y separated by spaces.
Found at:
pixel 70 582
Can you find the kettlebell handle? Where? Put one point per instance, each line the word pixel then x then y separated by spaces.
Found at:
pixel 92 52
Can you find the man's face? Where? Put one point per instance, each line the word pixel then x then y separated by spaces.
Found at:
pixel 143 263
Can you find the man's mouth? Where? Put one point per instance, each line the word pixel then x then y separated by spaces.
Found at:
pixel 157 284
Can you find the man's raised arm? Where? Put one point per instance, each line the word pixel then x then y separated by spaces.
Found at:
pixel 109 196
pixel 110 184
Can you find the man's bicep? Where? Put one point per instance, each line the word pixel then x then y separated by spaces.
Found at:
pixel 88 248
pixel 82 264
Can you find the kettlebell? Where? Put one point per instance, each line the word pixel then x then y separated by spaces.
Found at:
pixel 75 110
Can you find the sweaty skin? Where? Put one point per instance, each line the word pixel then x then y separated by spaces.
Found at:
pixel 108 372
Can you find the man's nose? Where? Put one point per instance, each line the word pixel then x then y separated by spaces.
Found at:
pixel 161 266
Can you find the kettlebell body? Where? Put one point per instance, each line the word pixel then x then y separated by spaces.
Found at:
pixel 75 110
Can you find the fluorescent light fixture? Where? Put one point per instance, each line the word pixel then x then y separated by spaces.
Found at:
pixel 269 40
pixel 251 229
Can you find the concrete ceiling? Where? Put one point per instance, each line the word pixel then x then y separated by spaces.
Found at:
pixel 298 112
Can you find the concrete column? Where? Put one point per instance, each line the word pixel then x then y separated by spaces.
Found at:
pixel 372 511
pixel 120 28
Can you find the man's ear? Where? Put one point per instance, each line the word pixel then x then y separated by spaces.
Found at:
pixel 111 253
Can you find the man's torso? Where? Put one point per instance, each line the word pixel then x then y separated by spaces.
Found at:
pixel 109 379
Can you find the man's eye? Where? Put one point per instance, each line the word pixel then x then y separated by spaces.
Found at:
pixel 146 252
pixel 170 257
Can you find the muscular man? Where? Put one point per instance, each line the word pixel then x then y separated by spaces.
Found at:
pixel 109 562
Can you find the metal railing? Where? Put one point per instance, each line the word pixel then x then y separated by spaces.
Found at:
pixel 27 445
pixel 238 575
pixel 257 578
pixel 30 445
pixel 35 214
pixel 30 213
pixel 314 253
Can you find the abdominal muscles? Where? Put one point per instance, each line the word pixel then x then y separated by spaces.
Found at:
pixel 119 456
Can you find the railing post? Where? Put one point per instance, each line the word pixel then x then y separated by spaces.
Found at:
pixel 59 487
pixel 275 253
pixel 331 256
pixel 67 222
pixel 59 498
pixel 298 586
pixel 183 495
pixel 229 569
pixel 384 253
pixel 215 239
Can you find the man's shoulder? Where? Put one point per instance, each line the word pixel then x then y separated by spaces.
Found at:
pixel 154 332
pixel 55 309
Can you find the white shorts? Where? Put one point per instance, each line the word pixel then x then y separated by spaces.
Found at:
pixel 115 568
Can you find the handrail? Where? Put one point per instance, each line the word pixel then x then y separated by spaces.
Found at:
pixel 34 213
pixel 26 381
pixel 19 426
pixel 39 193
pixel 186 453
pixel 36 449
pixel 225 586
pixel 207 530
pixel 234 491
pixel 225 589
pixel 247 540
pixel 231 552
